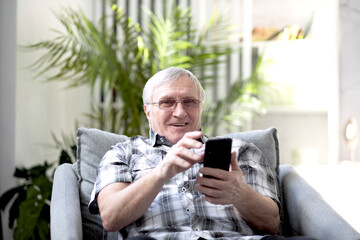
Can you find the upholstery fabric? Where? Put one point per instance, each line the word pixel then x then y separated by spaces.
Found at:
pixel 91 147
pixel 307 213
pixel 93 143
pixel 267 141
pixel 64 192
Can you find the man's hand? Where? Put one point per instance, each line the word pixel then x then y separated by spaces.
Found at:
pixel 138 196
pixel 226 185
pixel 230 188
pixel 180 157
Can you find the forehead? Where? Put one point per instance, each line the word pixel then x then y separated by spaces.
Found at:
pixel 180 88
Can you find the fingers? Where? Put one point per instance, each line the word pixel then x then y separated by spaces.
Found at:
pixel 234 166
pixel 180 153
pixel 224 187
pixel 214 190
pixel 178 160
pixel 212 187
pixel 214 172
pixel 182 148
pixel 219 173
pixel 180 157
pixel 189 140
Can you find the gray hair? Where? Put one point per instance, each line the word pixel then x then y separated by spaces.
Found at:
pixel 170 75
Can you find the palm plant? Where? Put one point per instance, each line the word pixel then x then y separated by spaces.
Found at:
pixel 121 61
pixel 243 100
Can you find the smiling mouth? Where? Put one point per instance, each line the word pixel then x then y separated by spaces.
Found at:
pixel 179 124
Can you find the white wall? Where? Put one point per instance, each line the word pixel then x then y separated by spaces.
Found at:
pixel 303 135
pixel 29 108
pixel 7 102
pixel 44 107
pixel 307 70
pixel 349 71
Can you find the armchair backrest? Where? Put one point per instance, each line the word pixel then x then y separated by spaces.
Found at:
pixel 92 144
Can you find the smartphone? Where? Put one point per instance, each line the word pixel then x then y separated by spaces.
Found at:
pixel 218 153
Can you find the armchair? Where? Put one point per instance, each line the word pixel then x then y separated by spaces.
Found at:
pixel 303 212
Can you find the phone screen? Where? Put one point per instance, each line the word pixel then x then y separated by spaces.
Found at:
pixel 218 153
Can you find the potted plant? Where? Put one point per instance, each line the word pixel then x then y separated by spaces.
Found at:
pixel 30 200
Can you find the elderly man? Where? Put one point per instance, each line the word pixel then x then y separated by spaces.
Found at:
pixel 154 187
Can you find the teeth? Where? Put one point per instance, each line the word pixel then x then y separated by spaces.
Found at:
pixel 179 124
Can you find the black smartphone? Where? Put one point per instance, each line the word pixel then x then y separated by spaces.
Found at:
pixel 218 153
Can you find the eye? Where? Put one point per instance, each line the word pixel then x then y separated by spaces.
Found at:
pixel 188 101
pixel 167 102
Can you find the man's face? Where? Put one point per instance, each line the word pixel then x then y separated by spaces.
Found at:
pixel 174 123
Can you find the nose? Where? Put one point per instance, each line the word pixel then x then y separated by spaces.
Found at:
pixel 179 110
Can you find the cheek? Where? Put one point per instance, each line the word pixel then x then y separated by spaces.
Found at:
pixel 158 119
pixel 197 116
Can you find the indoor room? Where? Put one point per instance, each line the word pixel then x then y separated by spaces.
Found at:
pixel 290 67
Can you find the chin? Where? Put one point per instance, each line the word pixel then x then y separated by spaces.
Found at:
pixel 176 135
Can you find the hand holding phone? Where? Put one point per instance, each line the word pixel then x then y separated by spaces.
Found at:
pixel 218 153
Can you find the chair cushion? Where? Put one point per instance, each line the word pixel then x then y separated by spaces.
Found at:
pixel 93 143
pixel 266 141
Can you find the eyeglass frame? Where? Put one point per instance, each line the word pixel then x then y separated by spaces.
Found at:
pixel 176 103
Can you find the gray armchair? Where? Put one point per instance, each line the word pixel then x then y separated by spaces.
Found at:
pixel 303 212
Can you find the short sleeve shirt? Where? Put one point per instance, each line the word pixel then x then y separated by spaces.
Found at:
pixel 179 211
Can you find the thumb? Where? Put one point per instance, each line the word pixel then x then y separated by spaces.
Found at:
pixel 234 163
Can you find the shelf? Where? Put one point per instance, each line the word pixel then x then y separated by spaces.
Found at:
pixel 295 110
pixel 261 44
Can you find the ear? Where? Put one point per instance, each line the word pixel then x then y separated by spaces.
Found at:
pixel 147 110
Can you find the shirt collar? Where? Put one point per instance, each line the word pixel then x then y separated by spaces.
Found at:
pixel 158 140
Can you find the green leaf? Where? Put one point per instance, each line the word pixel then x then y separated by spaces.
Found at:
pixel 14 209
pixel 19 194
pixel 8 195
pixel 30 222
pixel 22 173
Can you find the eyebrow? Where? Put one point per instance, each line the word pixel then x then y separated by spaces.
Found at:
pixel 171 97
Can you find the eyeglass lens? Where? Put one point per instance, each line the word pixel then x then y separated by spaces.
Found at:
pixel 187 103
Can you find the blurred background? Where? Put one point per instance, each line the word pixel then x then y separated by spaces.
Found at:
pixel 306 51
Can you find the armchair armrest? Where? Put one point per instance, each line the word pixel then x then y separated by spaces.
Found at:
pixel 65 211
pixel 308 213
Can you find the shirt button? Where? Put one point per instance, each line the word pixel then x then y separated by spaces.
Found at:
pixel 188 210
pixel 183 189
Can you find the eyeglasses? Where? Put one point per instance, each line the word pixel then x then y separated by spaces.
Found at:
pixel 170 103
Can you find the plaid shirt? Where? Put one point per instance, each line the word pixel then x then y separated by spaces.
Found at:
pixel 179 211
